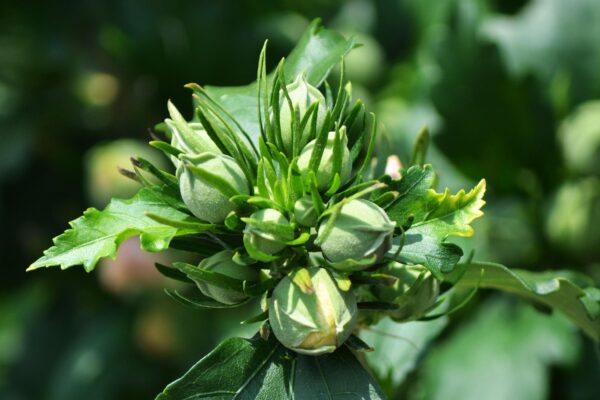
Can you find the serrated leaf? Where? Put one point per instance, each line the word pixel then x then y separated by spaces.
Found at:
pixel 451 215
pixel 98 234
pixel 548 288
pixel 412 190
pixel 438 215
pixel 258 369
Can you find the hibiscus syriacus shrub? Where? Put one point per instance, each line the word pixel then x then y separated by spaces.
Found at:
pixel 276 192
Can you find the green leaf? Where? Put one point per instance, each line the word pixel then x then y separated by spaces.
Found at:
pixel 165 148
pixel 258 369
pixel 553 289
pixel 438 257
pixel 434 214
pixel 316 53
pixel 172 273
pixel 504 353
pixel 412 191
pixel 98 234
pixel 451 215
pixel 432 218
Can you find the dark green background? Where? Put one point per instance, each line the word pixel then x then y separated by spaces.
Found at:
pixel 494 80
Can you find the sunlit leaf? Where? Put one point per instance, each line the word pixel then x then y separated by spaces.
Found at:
pixel 98 234
pixel 451 215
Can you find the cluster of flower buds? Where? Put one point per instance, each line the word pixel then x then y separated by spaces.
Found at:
pixel 299 223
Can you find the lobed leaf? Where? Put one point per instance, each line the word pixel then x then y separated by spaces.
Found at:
pixel 451 215
pixel 438 215
pixel 412 190
pixel 98 234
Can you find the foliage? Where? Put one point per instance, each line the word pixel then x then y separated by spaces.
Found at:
pixel 99 233
pixel 424 223
pixel 261 369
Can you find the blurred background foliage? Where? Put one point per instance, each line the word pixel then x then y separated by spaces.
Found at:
pixel 510 91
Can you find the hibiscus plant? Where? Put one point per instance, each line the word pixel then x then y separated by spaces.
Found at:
pixel 281 199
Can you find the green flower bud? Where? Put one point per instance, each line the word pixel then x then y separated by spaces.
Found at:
pixel 362 231
pixel 304 211
pixel 302 95
pixel 203 200
pixel 325 171
pixel 415 291
pixel 198 143
pixel 222 263
pixel 314 319
pixel 265 241
pixel 189 137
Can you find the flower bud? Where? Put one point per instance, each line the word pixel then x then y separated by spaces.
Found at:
pixel 325 171
pixel 415 291
pixel 314 318
pixel 304 211
pixel 302 96
pixel 203 200
pixel 222 263
pixel 197 143
pixel 362 231
pixel 189 137
pixel 263 240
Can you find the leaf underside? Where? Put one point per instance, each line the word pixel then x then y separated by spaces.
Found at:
pixel 580 305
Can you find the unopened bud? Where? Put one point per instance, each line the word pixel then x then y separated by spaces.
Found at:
pixel 326 169
pixel 313 319
pixel 203 200
pixel 362 231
